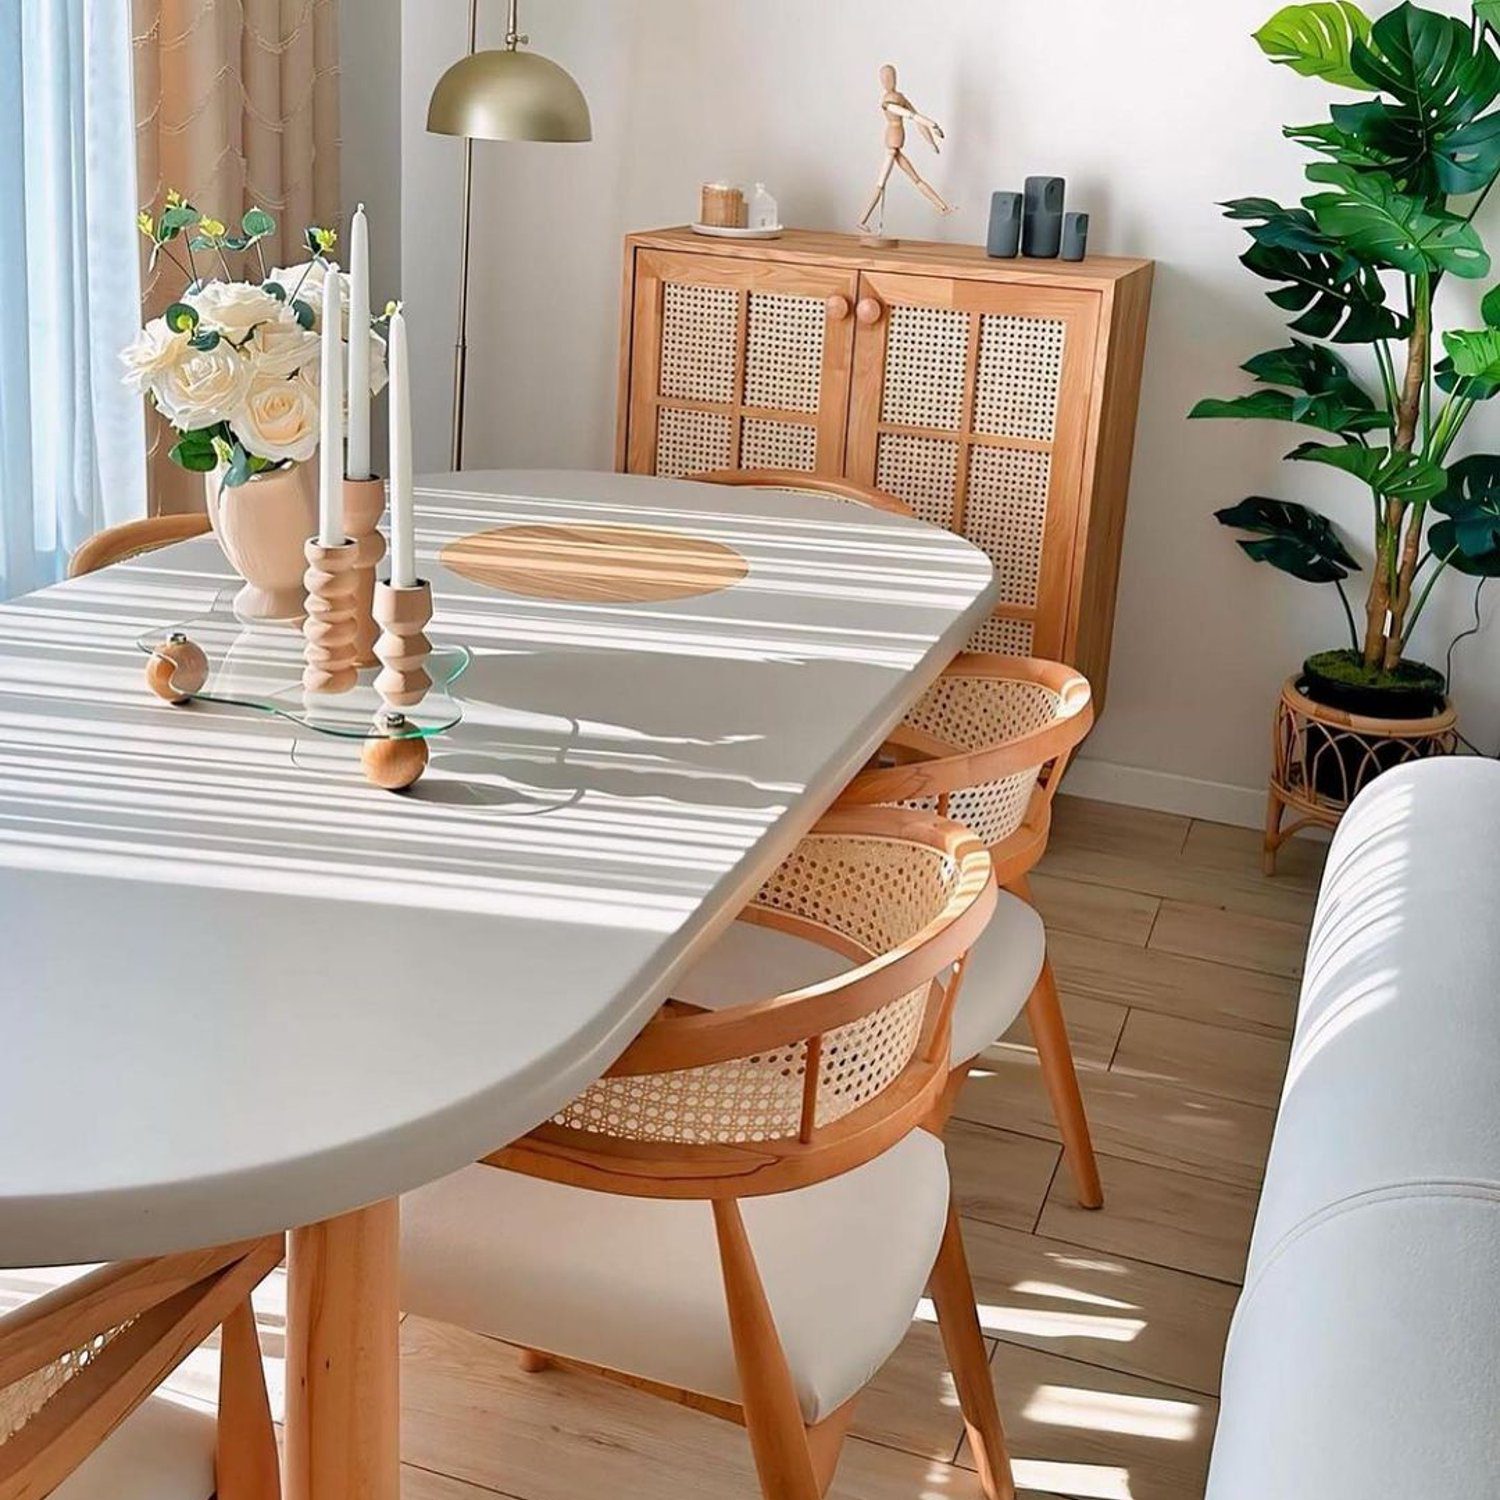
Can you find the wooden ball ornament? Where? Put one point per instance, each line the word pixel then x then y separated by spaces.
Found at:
pixel 177 669
pixel 391 763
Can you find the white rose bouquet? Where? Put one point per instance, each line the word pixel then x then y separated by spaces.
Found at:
pixel 233 365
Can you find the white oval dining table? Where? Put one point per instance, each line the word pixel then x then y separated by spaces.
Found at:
pixel 244 991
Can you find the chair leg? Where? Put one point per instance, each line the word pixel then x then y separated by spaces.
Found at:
pixel 1044 1016
pixel 1275 809
pixel 953 1295
pixel 773 1415
pixel 246 1466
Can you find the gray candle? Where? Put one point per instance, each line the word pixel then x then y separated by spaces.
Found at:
pixel 1041 225
pixel 1005 225
pixel 1075 236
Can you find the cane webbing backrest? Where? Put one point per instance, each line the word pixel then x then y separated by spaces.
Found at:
pixel 77 1360
pixel 776 1070
pixel 987 728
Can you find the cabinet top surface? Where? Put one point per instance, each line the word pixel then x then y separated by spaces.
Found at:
pixel 924 257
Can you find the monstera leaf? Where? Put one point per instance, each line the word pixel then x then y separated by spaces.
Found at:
pixel 1386 227
pixel 1470 538
pixel 1291 537
pixel 1269 224
pixel 1325 412
pixel 1475 355
pixel 1438 83
pixel 1334 296
pixel 1341 138
pixel 1407 477
pixel 1316 40
pixel 1488 11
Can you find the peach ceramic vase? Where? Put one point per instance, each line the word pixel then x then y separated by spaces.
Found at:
pixel 263 525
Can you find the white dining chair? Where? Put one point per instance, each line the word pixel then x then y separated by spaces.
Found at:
pixel 80 1366
pixel 744 1212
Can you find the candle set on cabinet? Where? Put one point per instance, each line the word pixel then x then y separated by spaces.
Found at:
pixel 352 620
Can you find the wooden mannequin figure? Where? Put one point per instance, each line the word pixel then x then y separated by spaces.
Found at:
pixel 898 109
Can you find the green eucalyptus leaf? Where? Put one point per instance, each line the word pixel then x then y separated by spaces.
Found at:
pixel 177 219
pixel 1317 40
pixel 275 288
pixel 1385 227
pixel 181 318
pixel 257 224
pixel 202 242
pixel 306 317
pixel 235 242
pixel 239 470
pixel 1397 475
pixel 1290 537
pixel 205 340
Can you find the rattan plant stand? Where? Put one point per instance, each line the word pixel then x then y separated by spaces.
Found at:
pixel 1322 757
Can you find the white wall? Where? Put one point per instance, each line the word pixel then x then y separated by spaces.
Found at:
pixel 1152 111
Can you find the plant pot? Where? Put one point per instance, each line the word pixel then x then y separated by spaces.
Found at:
pixel 1413 690
pixel 1325 756
pixel 262 526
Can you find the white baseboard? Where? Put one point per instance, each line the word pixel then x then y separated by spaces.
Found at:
pixel 1161 791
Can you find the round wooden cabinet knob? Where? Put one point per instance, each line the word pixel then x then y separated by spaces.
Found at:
pixel 869 312
pixel 838 308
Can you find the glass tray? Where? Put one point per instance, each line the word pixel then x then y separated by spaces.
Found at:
pixel 257 664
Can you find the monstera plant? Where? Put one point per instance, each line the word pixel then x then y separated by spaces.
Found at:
pixel 1400 168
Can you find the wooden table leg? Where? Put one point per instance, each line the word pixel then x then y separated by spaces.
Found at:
pixel 343 1408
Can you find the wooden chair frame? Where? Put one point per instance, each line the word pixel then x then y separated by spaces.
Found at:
pixel 813 484
pixel 138 1320
pixel 923 768
pixel 795 1461
pixel 133 538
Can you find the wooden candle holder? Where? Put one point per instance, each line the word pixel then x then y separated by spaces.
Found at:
pixel 364 505
pixel 402 646
pixel 329 630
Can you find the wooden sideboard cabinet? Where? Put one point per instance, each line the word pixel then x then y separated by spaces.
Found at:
pixel 996 397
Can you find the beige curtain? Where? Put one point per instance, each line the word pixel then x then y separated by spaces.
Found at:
pixel 237 106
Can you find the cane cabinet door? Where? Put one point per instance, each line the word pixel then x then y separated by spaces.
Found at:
pixel 971 403
pixel 738 364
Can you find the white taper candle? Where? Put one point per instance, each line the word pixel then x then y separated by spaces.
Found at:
pixel 359 346
pixel 403 518
pixel 331 454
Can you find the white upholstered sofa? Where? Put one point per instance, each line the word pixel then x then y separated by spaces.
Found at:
pixel 1364 1359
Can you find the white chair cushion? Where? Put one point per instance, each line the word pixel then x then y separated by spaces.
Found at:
pixel 634 1284
pixel 751 962
pixel 162 1451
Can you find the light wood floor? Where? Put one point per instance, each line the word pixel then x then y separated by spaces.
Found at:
pixel 1178 965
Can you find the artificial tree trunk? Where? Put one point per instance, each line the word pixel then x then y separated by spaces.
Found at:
pixel 1396 566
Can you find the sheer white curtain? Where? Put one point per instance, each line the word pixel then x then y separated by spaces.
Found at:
pixel 72 439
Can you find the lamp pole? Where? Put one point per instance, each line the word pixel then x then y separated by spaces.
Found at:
pixel 461 348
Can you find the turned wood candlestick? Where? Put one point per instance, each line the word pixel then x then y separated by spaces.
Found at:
pixel 403 647
pixel 364 504
pixel 329 629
